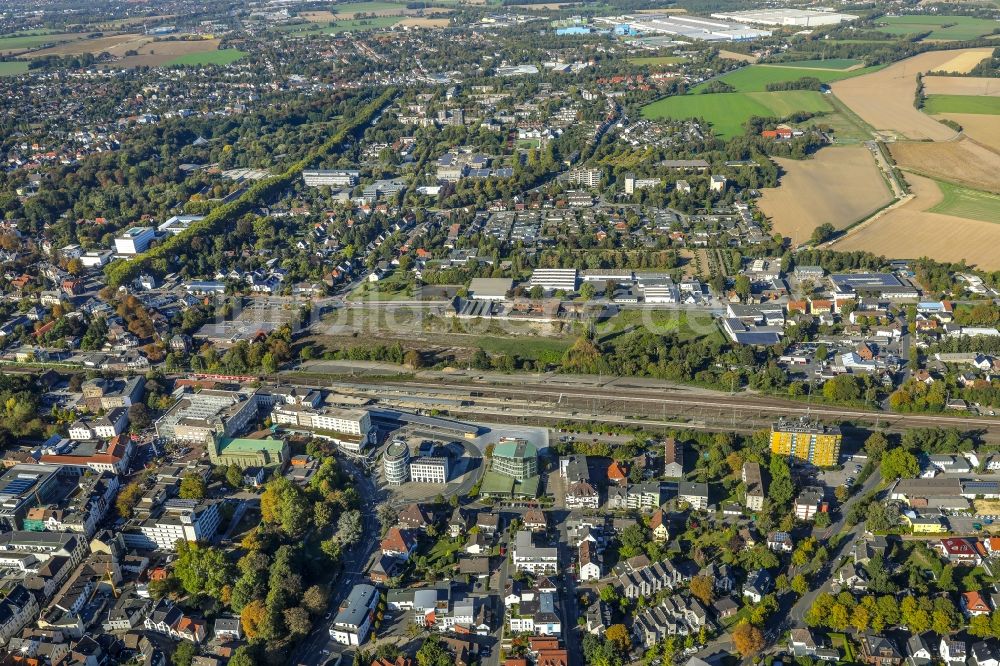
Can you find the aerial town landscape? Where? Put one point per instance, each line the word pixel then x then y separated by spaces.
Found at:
pixel 499 332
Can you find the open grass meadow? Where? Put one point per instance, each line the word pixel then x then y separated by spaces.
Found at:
pixel 968 203
pixel 962 104
pixel 727 112
pixel 221 57
pixel 756 78
pixel 350 25
pixel 940 27
pixel 829 63
pixel 13 68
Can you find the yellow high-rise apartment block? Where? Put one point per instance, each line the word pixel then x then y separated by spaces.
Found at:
pixel 809 441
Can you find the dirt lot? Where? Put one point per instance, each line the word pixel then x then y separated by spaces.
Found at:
pixel 116 45
pixel 838 185
pixel 964 162
pixel 154 54
pixel 884 99
pixel 909 231
pixel 984 129
pixel 962 85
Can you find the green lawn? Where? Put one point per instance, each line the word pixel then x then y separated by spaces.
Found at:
pixel 13 68
pixel 830 63
pixel 755 78
pixel 727 112
pixel 941 27
pixel 547 350
pixel 962 104
pixel 656 61
pixel 221 57
pixel 970 204
pixel 686 326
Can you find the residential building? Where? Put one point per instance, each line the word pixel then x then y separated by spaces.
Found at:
pixel 531 558
pixel 808 441
pixel 753 481
pixel 673 458
pixel 695 494
pixel 809 502
pixel 590 561
pixel 877 650
pixel 187 520
pixel 353 622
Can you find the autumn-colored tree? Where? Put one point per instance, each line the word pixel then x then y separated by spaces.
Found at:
pixel 127 499
pixel 297 620
pixel 618 634
pixel 703 587
pixel 253 616
pixel 748 639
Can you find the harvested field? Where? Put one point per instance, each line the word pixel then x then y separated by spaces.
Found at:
pixel 155 54
pixel 910 231
pixel 884 99
pixel 980 128
pixel 838 185
pixel 962 85
pixel 963 161
pixel 116 45
pixel 733 55
pixel 424 22
pixel 756 78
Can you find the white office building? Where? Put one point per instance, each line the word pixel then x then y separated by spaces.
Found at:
pixel 428 469
pixel 135 240
pixel 330 177
pixel 396 463
pixel 188 520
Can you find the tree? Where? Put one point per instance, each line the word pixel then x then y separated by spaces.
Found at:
pixel 703 587
pixel 617 634
pixel 781 490
pixel 127 499
pixel 234 476
pixel 800 585
pixel 633 541
pixel 899 463
pixel 285 504
pixel 183 654
pixel 349 527
pixel 315 599
pixel 202 569
pixel 748 639
pixel 742 286
pixel 588 291
pixel 242 657
pixel 253 617
pixel 297 621
pixel 138 416
pixel 875 446
pixel 192 487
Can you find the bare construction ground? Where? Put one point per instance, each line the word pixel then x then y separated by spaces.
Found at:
pixel 910 231
pixel 962 161
pixel 982 128
pixel 962 85
pixel 884 99
pixel 838 185
pixel 425 22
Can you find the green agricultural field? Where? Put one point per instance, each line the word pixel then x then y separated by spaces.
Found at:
pixel 655 61
pixel 727 112
pixel 829 63
pixel 353 25
pixel 13 68
pixel 34 39
pixel 374 6
pixel 962 104
pixel 755 78
pixel 970 204
pixel 941 27
pixel 221 57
